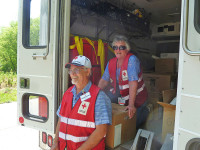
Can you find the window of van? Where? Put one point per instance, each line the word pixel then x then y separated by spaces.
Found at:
pixel 197 15
pixel 35 23
pixel 35 107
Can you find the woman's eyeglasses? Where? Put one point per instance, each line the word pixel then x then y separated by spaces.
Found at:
pixel 121 47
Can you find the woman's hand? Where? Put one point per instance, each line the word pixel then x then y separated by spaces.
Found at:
pixel 131 111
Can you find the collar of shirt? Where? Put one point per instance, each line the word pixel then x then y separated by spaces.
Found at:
pixel 77 96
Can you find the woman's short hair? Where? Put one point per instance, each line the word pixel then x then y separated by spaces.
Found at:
pixel 120 38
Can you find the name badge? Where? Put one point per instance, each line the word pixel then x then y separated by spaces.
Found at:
pixel 124 75
pixel 83 108
pixel 85 96
pixel 121 101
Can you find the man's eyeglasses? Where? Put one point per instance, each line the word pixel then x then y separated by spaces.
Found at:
pixel 75 71
pixel 121 47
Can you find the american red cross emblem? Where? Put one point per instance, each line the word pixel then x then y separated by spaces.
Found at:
pixel 124 73
pixel 83 106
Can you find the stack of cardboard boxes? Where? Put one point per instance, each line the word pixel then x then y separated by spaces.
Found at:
pixel 164 78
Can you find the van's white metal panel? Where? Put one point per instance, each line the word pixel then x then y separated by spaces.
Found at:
pixel 188 92
pixel 39 84
pixel 190 113
pixel 191 75
pixel 37 66
pixel 184 137
pixel 41 72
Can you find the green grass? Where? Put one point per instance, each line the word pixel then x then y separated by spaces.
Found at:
pixel 8 79
pixel 8 95
pixel 8 90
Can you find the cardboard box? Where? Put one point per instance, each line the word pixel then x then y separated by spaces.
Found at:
pixel 155 84
pixel 171 55
pixel 168 112
pixel 158 82
pixel 122 129
pixel 165 65
pixel 168 95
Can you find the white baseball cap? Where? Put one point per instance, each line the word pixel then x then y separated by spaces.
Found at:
pixel 80 61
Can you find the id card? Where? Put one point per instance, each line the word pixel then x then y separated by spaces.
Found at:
pixel 121 101
pixel 85 96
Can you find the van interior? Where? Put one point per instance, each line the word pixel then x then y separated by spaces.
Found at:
pixel 152 26
pixel 153 30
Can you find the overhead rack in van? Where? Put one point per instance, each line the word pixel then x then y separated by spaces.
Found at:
pixel 136 21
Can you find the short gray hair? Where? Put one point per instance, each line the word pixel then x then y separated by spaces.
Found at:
pixel 120 38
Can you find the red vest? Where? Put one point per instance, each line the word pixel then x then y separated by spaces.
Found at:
pixel 78 123
pixel 124 82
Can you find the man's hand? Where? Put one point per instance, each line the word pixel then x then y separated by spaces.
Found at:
pixel 55 141
pixel 131 111
pixel 55 146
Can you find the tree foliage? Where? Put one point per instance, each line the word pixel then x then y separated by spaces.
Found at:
pixel 8 44
pixel 8 48
pixel 34 31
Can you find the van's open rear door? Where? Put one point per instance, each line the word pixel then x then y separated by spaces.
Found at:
pixel 40 64
pixel 187 124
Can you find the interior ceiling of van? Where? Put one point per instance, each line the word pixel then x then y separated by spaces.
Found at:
pixel 161 11
pixel 136 16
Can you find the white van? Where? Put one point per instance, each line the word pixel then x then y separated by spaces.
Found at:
pixel 49 31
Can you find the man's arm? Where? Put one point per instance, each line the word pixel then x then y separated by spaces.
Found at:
pixel 132 95
pixel 95 137
pixel 55 141
pixel 102 83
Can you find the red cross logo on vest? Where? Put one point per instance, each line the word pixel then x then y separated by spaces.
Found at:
pixel 83 106
pixel 124 73
pixel 76 57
